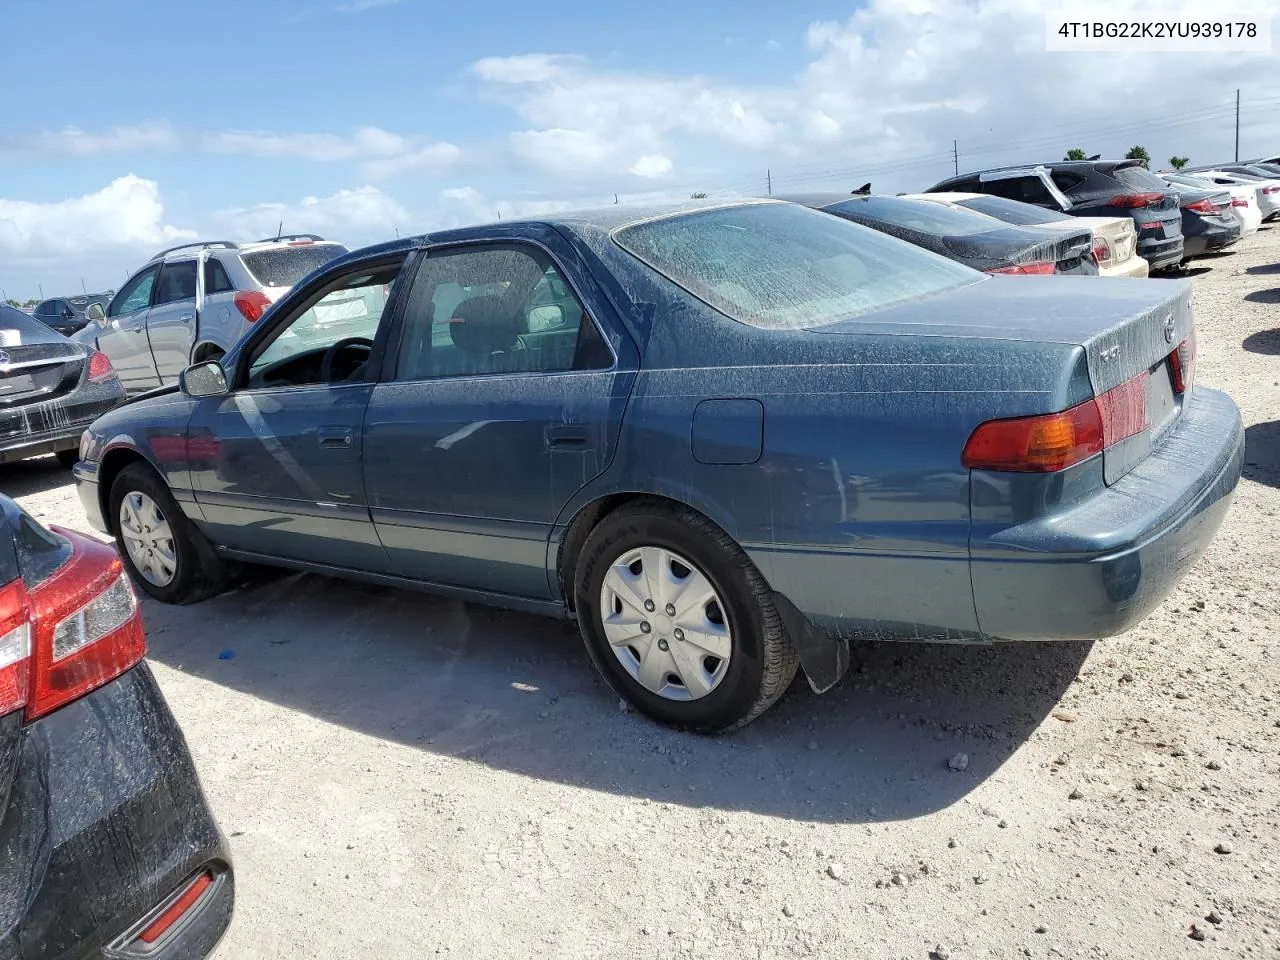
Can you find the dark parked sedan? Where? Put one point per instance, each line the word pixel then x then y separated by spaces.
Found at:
pixel 66 314
pixel 966 236
pixel 726 438
pixel 1091 188
pixel 1207 222
pixel 107 846
pixel 50 389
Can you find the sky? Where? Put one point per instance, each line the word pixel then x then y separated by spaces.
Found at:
pixel 135 125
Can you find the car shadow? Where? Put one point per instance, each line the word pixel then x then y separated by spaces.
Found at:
pixel 1264 341
pixel 1186 274
pixel 37 475
pixel 517 692
pixel 1264 269
pixel 1262 453
pixel 1263 296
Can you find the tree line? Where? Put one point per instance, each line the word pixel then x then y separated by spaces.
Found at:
pixel 1138 153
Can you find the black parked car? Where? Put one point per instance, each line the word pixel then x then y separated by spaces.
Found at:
pixel 1091 188
pixel 968 237
pixel 51 388
pixel 1207 222
pixel 66 314
pixel 107 846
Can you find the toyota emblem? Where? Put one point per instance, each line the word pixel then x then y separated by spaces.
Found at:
pixel 1168 329
pixel 4 357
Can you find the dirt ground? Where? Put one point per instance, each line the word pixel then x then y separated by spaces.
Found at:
pixel 403 776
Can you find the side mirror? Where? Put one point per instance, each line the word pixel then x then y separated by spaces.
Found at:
pixel 67 313
pixel 206 379
pixel 95 314
pixel 547 317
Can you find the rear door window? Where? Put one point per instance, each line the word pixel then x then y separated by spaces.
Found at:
pixel 1023 189
pixel 283 266
pixel 215 278
pixel 177 282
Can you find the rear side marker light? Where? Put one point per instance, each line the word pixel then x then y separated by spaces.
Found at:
pixel 180 907
pixel 1025 269
pixel 1183 361
pixel 100 369
pixel 252 304
pixel 1054 441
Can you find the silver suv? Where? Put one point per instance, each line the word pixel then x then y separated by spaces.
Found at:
pixel 192 302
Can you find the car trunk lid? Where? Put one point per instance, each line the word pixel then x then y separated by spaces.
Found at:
pixel 1067 251
pixel 1127 328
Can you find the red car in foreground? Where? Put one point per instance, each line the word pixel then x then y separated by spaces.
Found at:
pixel 107 846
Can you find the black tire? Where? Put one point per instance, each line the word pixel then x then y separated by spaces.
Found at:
pixel 762 662
pixel 200 574
pixel 68 458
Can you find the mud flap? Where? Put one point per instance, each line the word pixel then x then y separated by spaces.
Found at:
pixel 823 658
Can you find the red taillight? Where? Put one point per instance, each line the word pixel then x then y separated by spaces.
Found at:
pixel 1183 361
pixel 1131 201
pixel 1101 250
pixel 1025 269
pixel 252 304
pixel 15 647
pixel 299 243
pixel 178 909
pixel 1270 190
pixel 100 369
pixel 1205 206
pixel 86 627
pixel 1055 441
pixel 1150 225
pixel 1237 202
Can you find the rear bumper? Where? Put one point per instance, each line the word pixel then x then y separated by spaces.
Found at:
pixel 1096 569
pixel 39 428
pixel 1135 266
pixel 105 821
pixel 1160 253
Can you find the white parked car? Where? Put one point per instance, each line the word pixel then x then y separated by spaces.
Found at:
pixel 1114 240
pixel 1244 197
pixel 1268 189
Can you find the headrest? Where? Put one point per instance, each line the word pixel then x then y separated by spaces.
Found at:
pixel 484 325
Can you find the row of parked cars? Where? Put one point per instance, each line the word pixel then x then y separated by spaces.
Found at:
pixel 728 439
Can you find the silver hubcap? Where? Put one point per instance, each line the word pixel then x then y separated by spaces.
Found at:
pixel 148 539
pixel 665 623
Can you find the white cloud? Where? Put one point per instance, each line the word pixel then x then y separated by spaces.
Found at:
pixel 383 153
pixel 360 6
pixel 74 141
pixel 563 151
pixel 357 216
pixel 651 165
pixel 128 212
pixel 525 68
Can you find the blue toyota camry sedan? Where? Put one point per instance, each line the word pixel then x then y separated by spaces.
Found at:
pixel 727 438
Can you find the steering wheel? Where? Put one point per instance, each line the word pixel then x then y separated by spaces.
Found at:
pixel 330 355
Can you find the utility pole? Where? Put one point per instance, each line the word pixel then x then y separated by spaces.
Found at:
pixel 1237 125
pixel 955 154
pixel 615 199
pixel 768 182
pixel 83 288
pixel 40 287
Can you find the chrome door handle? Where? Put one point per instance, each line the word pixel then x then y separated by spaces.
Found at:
pixel 187 317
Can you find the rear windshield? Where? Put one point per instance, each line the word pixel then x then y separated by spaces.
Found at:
pixel 1139 178
pixel 16 328
pixel 1013 211
pixel 935 219
pixel 285 266
pixel 782 266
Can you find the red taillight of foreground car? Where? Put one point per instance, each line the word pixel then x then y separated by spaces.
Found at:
pixel 175 911
pixel 1183 362
pixel 1101 251
pixel 15 647
pixel 1025 269
pixel 100 368
pixel 1055 441
pixel 252 304
pixel 85 627
pixel 1132 201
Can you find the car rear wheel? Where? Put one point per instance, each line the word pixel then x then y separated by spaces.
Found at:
pixel 164 552
pixel 678 619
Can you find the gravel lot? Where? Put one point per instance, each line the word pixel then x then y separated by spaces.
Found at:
pixel 403 776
